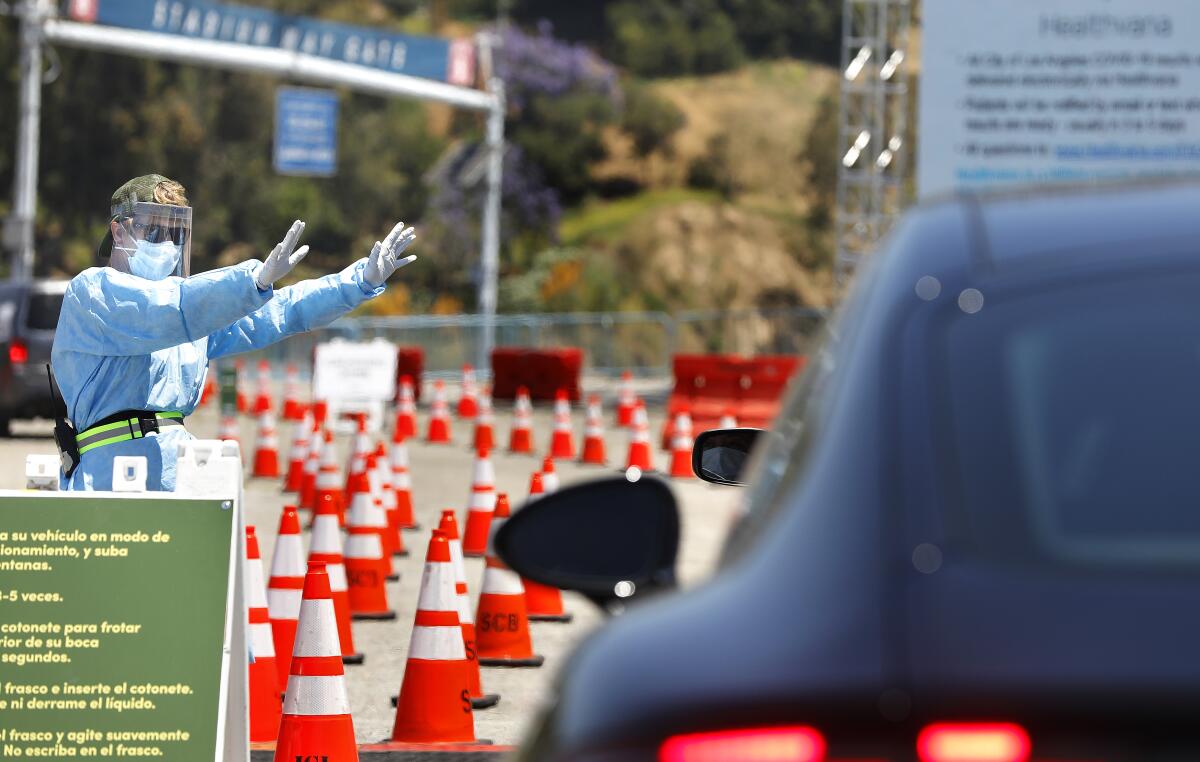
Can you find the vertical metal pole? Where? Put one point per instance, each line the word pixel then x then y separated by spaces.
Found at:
pixel 25 175
pixel 490 255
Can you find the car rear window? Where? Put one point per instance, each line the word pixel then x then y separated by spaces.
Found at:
pixel 1075 419
pixel 43 311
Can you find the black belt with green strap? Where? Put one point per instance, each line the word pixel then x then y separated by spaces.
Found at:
pixel 124 426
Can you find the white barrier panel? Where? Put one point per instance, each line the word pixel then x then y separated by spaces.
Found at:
pixel 355 377
pixel 41 471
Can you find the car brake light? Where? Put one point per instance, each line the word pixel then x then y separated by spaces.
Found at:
pixel 973 742
pixel 18 352
pixel 778 744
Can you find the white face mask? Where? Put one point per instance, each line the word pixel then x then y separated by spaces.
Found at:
pixel 152 261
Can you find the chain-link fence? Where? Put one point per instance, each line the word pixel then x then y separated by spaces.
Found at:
pixel 612 342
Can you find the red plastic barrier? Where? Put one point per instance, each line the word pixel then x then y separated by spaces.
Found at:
pixel 543 371
pixel 410 361
pixel 710 385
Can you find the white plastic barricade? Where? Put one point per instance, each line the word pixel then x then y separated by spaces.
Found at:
pixel 355 377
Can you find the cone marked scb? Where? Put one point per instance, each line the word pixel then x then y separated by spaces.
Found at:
pixel 326 548
pixel 434 705
pixel 283 590
pixel 264 674
pixel 480 506
pixel 502 624
pixel 520 440
pixel 316 711
pixel 466 618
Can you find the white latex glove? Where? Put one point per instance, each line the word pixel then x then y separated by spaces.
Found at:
pixel 282 259
pixel 385 257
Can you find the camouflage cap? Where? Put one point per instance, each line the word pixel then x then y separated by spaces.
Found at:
pixel 121 205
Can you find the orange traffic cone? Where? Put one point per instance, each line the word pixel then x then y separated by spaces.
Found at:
pixel 542 602
pixel 326 548
pixel 262 400
pixel 466 618
pixel 378 512
pixel 266 448
pixel 593 434
pixel 394 539
pixel 366 564
pixel 356 467
pixel 283 590
pixel 681 446
pixel 639 441
pixel 626 400
pixel 307 499
pixel 210 385
pixel 243 380
pixel 520 440
pixel 481 505
pixel 434 705
pixel 485 438
pixel 293 408
pixel 406 411
pixel 502 624
pixel 549 475
pixel 329 476
pixel 229 428
pixel 264 674
pixel 439 419
pixel 467 404
pixel 316 711
pixel 298 454
pixel 728 419
pixel 402 483
pixel 562 441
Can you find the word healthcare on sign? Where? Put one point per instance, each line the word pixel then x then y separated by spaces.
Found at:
pixel 113 625
pixel 305 131
pixel 426 57
pixel 355 377
pixel 1046 91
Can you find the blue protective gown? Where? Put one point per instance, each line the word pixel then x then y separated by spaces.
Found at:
pixel 126 343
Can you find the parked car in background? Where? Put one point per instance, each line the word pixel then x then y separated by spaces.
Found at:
pixel 973 534
pixel 28 317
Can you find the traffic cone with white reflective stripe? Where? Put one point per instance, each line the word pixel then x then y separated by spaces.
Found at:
pixel 406 411
pixel 439 417
pixel 283 590
pixel 307 499
pixel 316 711
pixel 562 441
pixel 298 454
pixel 468 406
pixel 639 441
pixel 466 617
pixel 393 539
pixel 356 467
pixel 681 446
pixel 549 476
pixel 626 400
pixel 326 548
pixel 542 602
pixel 480 506
pixel 593 434
pixel 402 483
pixel 243 381
pixel 266 448
pixel 329 477
pixel 264 674
pixel 293 408
pixel 228 429
pixel 434 705
pixel 728 419
pixel 485 437
pixel 366 564
pixel 375 486
pixel 520 439
pixel 501 621
pixel 262 400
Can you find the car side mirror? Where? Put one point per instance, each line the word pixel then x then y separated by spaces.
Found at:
pixel 610 539
pixel 720 455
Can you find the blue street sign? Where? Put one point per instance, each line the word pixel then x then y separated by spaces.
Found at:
pixel 305 131
pixel 427 57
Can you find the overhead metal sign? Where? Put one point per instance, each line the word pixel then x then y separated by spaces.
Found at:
pixel 415 56
pixel 305 131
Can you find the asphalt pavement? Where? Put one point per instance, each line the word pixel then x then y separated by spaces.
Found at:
pixel 441 477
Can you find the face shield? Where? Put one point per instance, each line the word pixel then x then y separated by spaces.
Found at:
pixel 155 242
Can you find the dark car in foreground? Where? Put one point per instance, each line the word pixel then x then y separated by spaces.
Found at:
pixel 972 536
pixel 28 316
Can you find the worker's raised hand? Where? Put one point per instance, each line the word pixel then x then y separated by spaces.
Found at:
pixel 385 256
pixel 282 259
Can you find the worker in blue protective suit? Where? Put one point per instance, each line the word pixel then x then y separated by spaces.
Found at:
pixel 135 336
